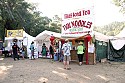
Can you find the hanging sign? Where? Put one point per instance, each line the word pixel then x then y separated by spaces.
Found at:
pixel 15 33
pixel 78 23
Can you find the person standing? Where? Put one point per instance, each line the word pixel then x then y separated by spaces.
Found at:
pixel 80 52
pixel 44 50
pixel 23 52
pixel 66 52
pixel 51 51
pixel 15 51
pixel 32 50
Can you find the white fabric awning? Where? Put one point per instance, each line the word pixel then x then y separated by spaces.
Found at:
pixel 101 37
pixel 45 35
pixel 10 38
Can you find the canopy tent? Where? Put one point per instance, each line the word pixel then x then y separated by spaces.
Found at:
pixel 118 41
pixel 45 35
pixel 111 47
pixel 117 47
pixel 101 37
pixel 121 34
pixel 27 39
pixel 101 45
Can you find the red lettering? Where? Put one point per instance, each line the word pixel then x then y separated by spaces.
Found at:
pixel 77 24
pixel 77 14
pixel 86 12
pixel 73 23
pixel 65 16
pixel 89 24
pixel 67 26
pixel 68 15
pixel 64 27
pixel 73 14
pixel 83 23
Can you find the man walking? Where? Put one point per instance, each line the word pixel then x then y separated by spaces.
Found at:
pixel 32 50
pixel 66 52
pixel 15 51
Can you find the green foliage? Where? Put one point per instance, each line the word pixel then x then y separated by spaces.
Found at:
pixel 55 25
pixel 120 3
pixel 18 14
pixel 112 29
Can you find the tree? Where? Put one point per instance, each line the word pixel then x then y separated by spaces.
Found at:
pixel 18 14
pixel 120 3
pixel 111 29
pixel 55 25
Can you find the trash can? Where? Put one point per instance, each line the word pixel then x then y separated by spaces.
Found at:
pixel 55 57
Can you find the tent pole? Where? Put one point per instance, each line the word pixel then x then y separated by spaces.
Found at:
pixel 86 54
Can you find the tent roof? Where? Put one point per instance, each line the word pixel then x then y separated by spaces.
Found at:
pixel 101 37
pixel 121 34
pixel 45 35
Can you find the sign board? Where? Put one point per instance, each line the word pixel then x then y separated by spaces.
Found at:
pixel 78 23
pixel 15 33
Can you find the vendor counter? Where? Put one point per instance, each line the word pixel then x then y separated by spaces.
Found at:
pixel 75 57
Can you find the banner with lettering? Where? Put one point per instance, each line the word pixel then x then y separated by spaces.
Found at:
pixel 15 33
pixel 78 23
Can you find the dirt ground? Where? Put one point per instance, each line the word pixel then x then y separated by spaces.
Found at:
pixel 47 71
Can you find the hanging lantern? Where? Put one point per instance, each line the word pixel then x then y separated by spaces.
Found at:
pixel 88 37
pixel 52 39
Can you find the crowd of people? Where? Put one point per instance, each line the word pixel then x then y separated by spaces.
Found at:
pixel 63 54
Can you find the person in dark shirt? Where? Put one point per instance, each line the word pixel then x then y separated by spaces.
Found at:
pixel 51 51
pixel 15 51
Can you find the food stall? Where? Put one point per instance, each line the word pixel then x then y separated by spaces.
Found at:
pixel 89 55
pixel 78 25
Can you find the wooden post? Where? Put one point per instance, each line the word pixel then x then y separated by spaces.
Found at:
pixel 73 42
pixel 86 54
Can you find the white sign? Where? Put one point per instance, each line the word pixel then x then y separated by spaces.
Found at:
pixel 78 23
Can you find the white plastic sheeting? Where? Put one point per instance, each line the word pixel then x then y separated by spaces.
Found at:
pixel 121 34
pixel 118 43
pixel 101 37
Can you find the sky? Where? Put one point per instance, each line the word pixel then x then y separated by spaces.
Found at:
pixel 105 11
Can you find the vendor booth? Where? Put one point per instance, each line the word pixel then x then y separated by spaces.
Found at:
pixel 89 55
pixel 45 37
pixel 21 38
pixel 78 25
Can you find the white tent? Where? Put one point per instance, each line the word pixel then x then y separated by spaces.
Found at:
pixel 101 37
pixel 27 39
pixel 118 41
pixel 121 34
pixel 44 37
